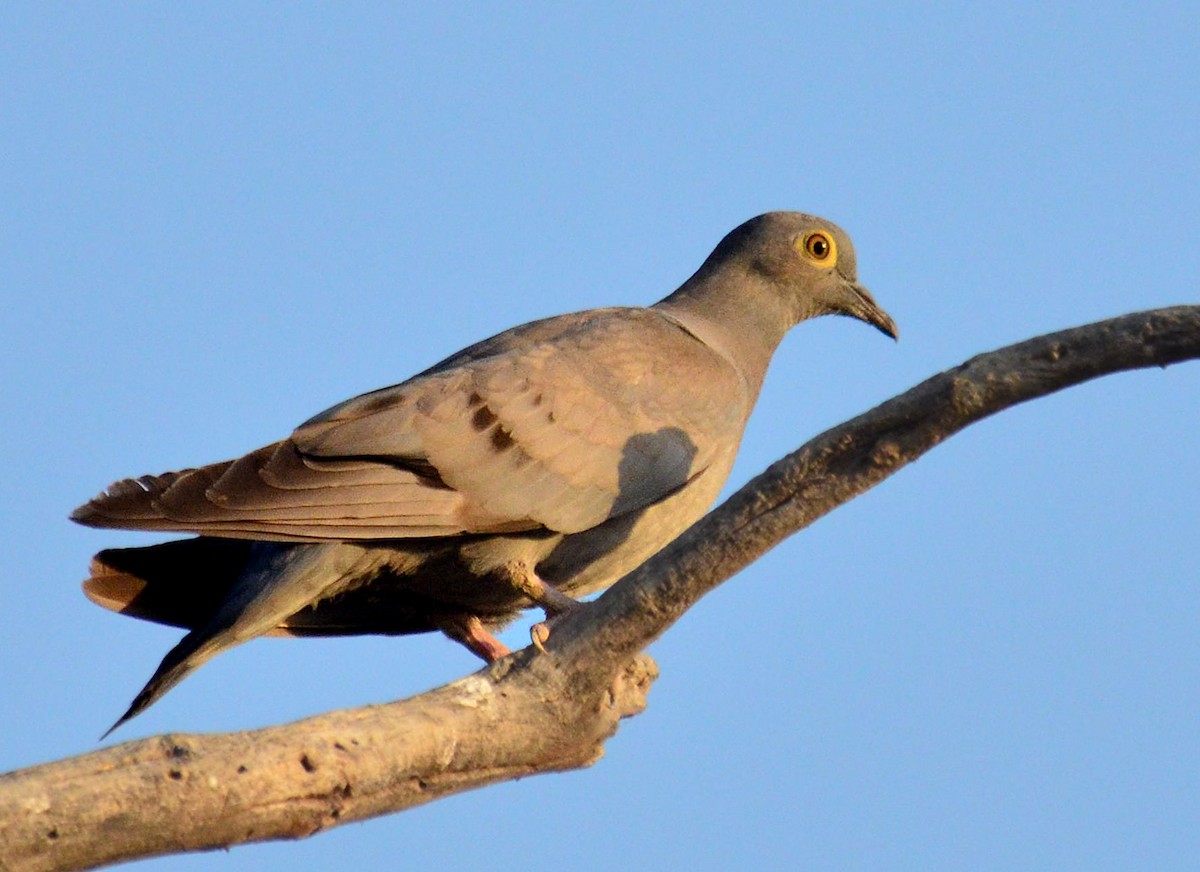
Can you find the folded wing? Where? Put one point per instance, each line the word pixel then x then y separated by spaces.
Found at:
pixel 561 428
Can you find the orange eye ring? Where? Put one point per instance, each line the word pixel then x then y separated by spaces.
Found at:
pixel 819 246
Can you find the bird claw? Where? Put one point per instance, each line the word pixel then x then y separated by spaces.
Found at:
pixel 538 634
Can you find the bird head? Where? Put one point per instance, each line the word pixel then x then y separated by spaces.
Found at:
pixel 809 261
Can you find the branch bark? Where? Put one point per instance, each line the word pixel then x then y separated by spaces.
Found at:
pixel 530 713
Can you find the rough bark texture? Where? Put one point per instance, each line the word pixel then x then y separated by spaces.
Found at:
pixel 530 713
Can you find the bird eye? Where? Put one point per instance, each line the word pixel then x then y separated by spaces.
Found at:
pixel 818 246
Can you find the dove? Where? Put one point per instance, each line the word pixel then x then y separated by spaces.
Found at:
pixel 529 469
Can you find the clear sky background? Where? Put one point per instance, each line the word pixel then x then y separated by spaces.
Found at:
pixel 219 219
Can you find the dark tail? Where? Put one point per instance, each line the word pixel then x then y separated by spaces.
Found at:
pixel 193 650
pixel 181 583
pixel 276 581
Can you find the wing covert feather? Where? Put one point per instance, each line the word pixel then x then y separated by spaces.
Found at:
pixel 560 424
pixel 604 418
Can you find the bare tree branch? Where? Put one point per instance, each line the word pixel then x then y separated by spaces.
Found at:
pixel 529 713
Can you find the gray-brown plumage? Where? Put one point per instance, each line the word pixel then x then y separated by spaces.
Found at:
pixel 546 461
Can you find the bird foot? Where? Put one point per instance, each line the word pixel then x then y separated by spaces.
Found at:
pixel 540 632
pixel 553 601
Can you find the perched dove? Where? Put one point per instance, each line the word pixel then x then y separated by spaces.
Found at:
pixel 536 466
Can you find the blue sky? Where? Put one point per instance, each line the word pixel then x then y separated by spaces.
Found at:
pixel 219 220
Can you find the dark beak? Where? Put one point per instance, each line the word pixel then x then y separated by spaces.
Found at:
pixel 861 305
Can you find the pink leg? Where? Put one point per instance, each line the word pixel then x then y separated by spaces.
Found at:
pixel 470 632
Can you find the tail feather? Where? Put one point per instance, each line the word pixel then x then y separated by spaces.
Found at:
pixel 226 591
pixel 276 582
pixel 195 649
pixel 181 583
